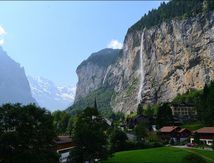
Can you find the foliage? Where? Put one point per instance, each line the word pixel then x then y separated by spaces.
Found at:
pixel 181 9
pixel 141 131
pixel 103 98
pixel 171 141
pixel 149 110
pixel 213 144
pixel 102 58
pixel 203 100
pixel 140 109
pixel 153 137
pixel 131 87
pixel 89 135
pixel 164 116
pixel 118 140
pixel 70 126
pixel 192 96
pixel 61 120
pixel 26 134
pixel 193 126
pixel 117 118
pixel 206 105
pixel 196 138
pixel 193 158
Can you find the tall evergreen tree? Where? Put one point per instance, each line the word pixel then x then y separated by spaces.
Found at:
pixel 164 116
pixel 89 136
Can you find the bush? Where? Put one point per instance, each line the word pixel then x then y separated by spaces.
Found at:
pixel 193 158
pixel 118 140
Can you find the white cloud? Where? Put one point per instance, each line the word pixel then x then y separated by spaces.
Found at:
pixel 1 42
pixel 2 31
pixel 115 44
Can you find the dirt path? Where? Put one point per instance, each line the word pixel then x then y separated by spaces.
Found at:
pixel 194 152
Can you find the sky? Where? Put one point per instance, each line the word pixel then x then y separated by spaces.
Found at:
pixel 51 38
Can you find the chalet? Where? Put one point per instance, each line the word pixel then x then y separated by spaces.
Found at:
pixel 168 132
pixel 182 110
pixel 174 132
pixel 183 134
pixel 64 145
pixel 206 135
pixel 132 122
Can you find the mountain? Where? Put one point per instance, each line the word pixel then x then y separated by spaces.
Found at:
pixel 159 59
pixel 50 95
pixel 92 71
pixel 14 86
pixel 91 85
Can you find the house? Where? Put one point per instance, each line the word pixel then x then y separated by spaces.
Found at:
pixel 168 132
pixel 132 122
pixel 176 133
pixel 64 145
pixel 183 134
pixel 183 110
pixel 206 135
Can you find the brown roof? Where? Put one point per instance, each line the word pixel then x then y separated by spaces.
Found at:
pixel 63 139
pixel 206 130
pixel 168 128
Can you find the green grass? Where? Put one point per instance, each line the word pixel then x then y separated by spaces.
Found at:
pixel 155 155
pixel 209 154
pixel 193 126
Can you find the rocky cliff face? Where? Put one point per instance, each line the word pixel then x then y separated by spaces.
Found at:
pixel 93 71
pixel 14 86
pixel 160 62
pixel 157 63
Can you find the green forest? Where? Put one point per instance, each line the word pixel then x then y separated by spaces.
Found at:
pixel 173 9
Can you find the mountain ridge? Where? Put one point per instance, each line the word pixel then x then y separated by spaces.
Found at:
pixel 49 95
pixel 156 63
pixel 14 86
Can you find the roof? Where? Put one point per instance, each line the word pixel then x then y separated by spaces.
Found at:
pixel 205 130
pixel 168 128
pixel 63 139
pixel 183 129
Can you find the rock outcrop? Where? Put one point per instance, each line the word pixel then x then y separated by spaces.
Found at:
pixel 14 86
pixel 93 71
pixel 156 63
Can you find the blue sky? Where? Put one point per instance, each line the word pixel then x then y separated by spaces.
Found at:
pixel 50 39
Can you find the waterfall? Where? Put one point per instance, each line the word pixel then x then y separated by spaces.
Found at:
pixel 141 70
pixel 108 69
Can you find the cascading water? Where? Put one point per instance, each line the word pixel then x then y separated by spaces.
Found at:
pixel 141 70
pixel 104 79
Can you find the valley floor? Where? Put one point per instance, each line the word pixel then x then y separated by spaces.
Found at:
pixel 155 155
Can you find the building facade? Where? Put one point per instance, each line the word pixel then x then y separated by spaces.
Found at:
pixel 64 146
pixel 206 135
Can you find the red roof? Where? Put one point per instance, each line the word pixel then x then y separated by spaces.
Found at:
pixel 205 130
pixel 183 129
pixel 168 128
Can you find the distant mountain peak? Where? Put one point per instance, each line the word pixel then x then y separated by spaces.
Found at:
pixel 50 95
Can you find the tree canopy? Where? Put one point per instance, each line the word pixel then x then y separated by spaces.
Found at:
pixel 26 134
pixel 164 116
pixel 173 9
pixel 89 136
